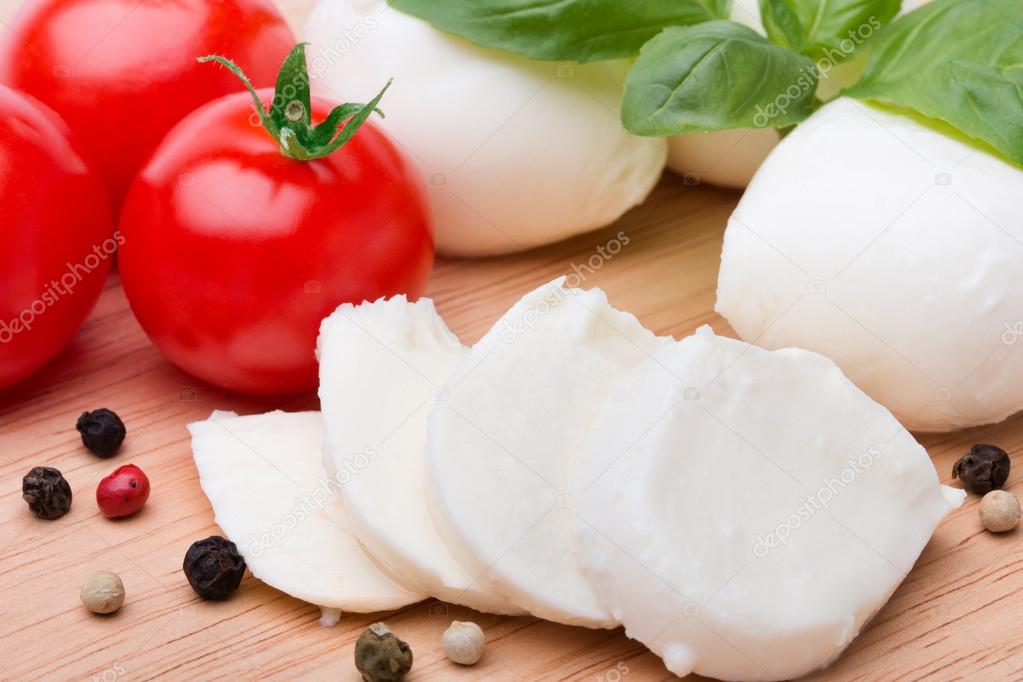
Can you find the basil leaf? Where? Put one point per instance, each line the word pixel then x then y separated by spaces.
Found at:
pixel 716 76
pixel 957 61
pixel 577 30
pixel 831 30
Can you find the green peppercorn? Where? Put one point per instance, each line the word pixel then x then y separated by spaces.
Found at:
pixel 102 431
pixel 380 656
pixel 47 493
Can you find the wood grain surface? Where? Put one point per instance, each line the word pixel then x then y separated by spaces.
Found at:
pixel 956 616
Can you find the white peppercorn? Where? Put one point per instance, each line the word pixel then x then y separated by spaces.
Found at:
pixel 999 511
pixel 103 592
pixel 464 642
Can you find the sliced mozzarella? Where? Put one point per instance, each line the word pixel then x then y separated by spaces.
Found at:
pixel 264 479
pixel 905 273
pixel 382 368
pixel 744 512
pixel 502 441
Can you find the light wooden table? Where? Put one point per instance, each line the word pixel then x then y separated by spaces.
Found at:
pixel 956 616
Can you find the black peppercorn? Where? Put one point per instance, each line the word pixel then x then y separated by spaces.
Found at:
pixel 214 567
pixel 983 469
pixel 47 493
pixel 102 431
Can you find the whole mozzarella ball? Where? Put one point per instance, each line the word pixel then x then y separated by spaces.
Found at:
pixel 516 153
pixel 894 249
pixel 727 158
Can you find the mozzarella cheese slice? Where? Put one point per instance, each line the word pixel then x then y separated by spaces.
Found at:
pixel 744 512
pixel 501 443
pixel 264 478
pixel 382 369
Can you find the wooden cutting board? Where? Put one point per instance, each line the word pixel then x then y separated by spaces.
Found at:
pixel 956 615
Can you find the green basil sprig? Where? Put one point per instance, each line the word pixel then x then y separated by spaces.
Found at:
pixel 577 30
pixel 695 71
pixel 957 61
pixel 825 29
pixel 716 76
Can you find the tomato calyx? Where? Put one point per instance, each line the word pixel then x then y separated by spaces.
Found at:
pixel 289 119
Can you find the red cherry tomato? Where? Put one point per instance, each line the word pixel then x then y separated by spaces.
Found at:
pixel 55 236
pixel 123 492
pixel 123 72
pixel 234 253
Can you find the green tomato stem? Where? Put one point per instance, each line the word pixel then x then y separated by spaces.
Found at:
pixel 289 121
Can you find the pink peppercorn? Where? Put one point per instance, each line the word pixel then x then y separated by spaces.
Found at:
pixel 123 492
